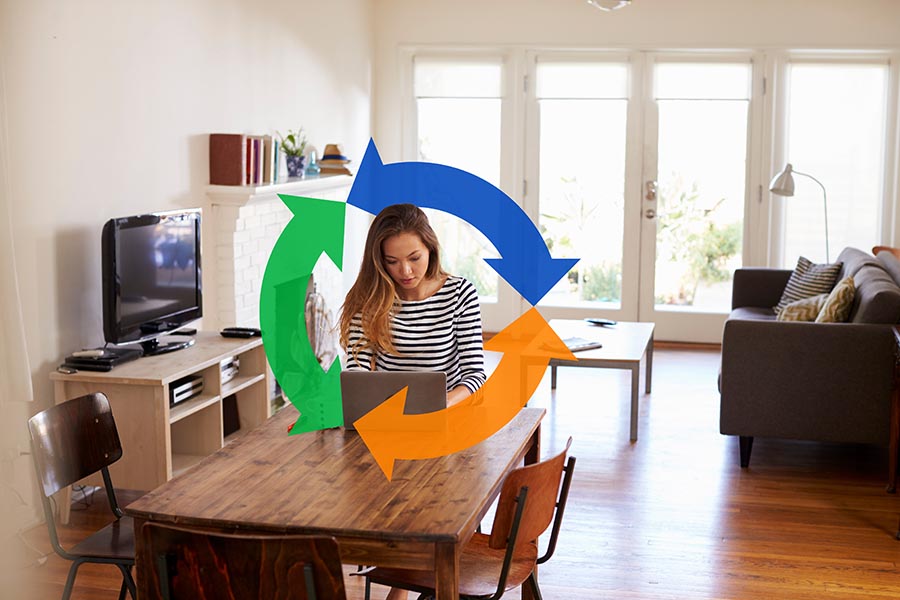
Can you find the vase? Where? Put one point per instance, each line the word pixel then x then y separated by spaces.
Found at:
pixel 295 166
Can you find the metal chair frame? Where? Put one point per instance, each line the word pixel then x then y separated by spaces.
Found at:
pixel 48 489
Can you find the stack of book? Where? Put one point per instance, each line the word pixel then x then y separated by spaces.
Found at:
pixel 333 161
pixel 238 159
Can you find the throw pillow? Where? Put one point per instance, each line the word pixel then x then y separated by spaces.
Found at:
pixel 836 308
pixel 806 309
pixel 808 280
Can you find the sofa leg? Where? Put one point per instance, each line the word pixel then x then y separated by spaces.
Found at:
pixel 746 447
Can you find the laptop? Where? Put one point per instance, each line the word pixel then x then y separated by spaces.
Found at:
pixel 361 391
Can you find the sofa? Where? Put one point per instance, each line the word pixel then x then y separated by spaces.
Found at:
pixel 828 382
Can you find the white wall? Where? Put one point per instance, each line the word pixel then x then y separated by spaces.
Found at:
pixel 654 24
pixel 108 106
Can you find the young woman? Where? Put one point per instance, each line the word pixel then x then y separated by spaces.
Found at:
pixel 404 313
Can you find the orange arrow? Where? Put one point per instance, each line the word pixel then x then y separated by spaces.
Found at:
pixel 528 344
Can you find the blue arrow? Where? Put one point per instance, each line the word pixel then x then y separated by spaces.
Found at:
pixel 526 263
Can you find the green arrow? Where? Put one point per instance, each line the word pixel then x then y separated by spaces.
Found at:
pixel 316 227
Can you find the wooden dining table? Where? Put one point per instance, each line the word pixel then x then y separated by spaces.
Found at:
pixel 327 483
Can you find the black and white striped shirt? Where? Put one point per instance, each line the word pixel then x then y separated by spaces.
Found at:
pixel 440 333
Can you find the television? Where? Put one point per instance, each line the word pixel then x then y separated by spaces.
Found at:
pixel 152 281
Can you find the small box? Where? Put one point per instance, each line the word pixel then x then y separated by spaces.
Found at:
pixel 229 368
pixel 185 389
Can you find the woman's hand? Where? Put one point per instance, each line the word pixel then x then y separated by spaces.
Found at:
pixel 457 394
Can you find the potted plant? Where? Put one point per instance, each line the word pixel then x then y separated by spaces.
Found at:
pixel 293 145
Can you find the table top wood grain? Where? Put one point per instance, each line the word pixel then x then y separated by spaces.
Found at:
pixel 327 482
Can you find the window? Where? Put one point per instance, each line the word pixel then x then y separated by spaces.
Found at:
pixel 583 108
pixel 836 124
pixel 458 106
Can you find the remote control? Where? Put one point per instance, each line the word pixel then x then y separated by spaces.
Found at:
pixel 601 322
pixel 240 332
pixel 89 353
pixel 185 331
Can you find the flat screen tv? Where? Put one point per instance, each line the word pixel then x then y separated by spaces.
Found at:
pixel 151 278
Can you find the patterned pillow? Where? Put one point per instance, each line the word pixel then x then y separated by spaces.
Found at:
pixel 806 309
pixel 807 280
pixel 836 308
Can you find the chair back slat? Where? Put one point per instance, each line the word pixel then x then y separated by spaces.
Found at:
pixel 542 480
pixel 180 563
pixel 85 424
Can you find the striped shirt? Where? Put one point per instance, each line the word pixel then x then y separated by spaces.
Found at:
pixel 440 333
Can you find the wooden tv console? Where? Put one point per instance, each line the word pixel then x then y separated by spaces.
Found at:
pixel 159 442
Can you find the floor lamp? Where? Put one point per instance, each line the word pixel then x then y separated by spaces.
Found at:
pixel 783 185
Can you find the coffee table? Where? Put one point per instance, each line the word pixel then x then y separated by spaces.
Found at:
pixel 624 346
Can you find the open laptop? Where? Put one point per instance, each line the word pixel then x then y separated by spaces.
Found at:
pixel 361 391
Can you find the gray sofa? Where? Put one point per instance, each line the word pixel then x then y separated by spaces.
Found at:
pixel 827 382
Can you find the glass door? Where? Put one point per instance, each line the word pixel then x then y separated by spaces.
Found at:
pixel 695 164
pixel 638 164
pixel 581 149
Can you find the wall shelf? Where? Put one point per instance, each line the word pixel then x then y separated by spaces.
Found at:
pixel 240 195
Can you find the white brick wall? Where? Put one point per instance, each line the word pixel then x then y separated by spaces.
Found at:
pixel 246 230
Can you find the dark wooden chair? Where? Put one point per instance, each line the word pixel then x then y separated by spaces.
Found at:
pixel 69 442
pixel 184 564
pixel 491 564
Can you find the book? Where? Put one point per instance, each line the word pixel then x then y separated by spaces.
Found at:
pixel 227 159
pixel 578 343
pixel 267 159
pixel 248 179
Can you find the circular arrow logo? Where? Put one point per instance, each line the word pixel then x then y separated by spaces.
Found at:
pixel 527 344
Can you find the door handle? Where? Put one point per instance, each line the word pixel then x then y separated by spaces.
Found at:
pixel 650 213
pixel 651 190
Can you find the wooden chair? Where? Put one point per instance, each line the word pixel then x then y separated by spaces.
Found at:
pixel 491 564
pixel 894 251
pixel 69 442
pixel 177 563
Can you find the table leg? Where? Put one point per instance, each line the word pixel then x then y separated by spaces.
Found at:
pixel 446 571
pixel 552 377
pixel 533 454
pixel 635 383
pixel 649 365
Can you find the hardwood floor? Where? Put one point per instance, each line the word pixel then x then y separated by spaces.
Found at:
pixel 672 516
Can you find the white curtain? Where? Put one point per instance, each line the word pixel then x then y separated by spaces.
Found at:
pixel 15 373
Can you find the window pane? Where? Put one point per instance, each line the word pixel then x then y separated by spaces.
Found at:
pixel 700 215
pixel 582 175
pixel 443 78
pixel 702 149
pixel 708 81
pixel 582 80
pixel 836 129
pixel 463 133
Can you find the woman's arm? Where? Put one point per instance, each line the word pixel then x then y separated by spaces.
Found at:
pixel 469 342
pixel 363 360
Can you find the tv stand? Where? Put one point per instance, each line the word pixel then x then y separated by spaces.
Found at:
pixel 153 347
pixel 160 441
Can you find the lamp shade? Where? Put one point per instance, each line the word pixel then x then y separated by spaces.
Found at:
pixel 783 183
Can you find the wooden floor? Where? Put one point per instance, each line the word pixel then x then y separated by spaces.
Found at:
pixel 672 516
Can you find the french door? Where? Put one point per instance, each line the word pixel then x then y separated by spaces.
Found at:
pixel 638 163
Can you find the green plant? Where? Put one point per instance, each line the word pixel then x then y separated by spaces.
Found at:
pixel 602 283
pixel 689 237
pixel 294 142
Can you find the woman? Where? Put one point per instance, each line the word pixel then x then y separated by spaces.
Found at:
pixel 404 313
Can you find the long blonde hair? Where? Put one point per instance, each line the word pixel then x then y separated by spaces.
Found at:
pixel 374 295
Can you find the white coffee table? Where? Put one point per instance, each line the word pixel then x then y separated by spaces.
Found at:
pixel 624 346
